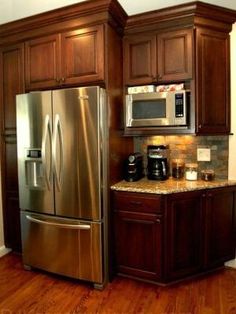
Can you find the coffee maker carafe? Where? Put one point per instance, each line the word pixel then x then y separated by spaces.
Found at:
pixel 157 168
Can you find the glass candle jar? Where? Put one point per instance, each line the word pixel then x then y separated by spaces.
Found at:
pixel 207 175
pixel 177 166
pixel 191 172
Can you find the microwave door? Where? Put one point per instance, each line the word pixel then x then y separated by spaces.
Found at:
pixel 147 110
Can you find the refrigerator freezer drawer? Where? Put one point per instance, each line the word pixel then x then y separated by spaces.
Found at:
pixel 64 246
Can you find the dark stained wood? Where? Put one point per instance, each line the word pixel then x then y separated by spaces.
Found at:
pixel 82 53
pixel 185 227
pixel 66 18
pixel 155 58
pixel 11 84
pixel 138 234
pixel 171 237
pixel 196 12
pixel 138 241
pixel 75 57
pixel 138 202
pixel 220 226
pixel 175 55
pixel 212 82
pixel 37 292
pixel 42 62
pixel 140 59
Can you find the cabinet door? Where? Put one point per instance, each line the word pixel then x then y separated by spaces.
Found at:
pixel 184 250
pixel 83 55
pixel 175 55
pixel 11 83
pixel 138 244
pixel 220 226
pixel 140 59
pixel 212 82
pixel 42 62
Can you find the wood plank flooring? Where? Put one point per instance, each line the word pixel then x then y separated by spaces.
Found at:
pixel 34 292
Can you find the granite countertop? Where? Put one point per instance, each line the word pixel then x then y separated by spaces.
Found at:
pixel 169 186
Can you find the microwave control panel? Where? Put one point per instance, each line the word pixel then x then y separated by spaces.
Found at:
pixel 179 105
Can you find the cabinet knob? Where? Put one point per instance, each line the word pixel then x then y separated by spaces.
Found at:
pixel 200 126
pixel 159 77
pixel 135 203
pixel 158 220
pixel 57 80
pixel 63 79
pixel 203 195
pixel 154 78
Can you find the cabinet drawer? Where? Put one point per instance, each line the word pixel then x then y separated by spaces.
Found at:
pixel 138 202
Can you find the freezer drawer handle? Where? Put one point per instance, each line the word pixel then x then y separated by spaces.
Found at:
pixel 54 224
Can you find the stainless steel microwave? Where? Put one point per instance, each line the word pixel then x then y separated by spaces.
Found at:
pixel 164 109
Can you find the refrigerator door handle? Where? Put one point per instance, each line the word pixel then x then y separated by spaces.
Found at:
pixel 59 225
pixel 47 132
pixel 58 136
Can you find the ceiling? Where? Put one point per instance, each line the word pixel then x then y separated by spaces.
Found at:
pixel 15 9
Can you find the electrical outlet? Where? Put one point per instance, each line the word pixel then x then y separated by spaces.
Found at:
pixel 204 154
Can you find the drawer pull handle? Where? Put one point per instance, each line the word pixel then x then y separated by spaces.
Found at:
pixel 135 203
pixel 158 221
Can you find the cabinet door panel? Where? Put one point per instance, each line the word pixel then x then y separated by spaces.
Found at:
pixel 220 244
pixel 212 88
pixel 140 59
pixel 11 83
pixel 138 241
pixel 185 232
pixel 83 55
pixel 42 62
pixel 175 57
pixel 11 62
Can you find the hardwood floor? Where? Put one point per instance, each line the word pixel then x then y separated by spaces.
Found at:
pixel 34 292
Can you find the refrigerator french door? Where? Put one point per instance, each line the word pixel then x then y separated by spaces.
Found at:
pixel 62 149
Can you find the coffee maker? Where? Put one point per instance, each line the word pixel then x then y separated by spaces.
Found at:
pixel 133 167
pixel 158 167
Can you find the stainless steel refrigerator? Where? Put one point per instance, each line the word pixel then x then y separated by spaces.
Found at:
pixel 62 169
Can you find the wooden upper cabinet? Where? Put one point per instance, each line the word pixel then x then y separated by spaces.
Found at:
pixel 83 55
pixel 157 58
pixel 68 58
pixel 42 62
pixel 212 82
pixel 11 84
pixel 175 55
pixel 139 59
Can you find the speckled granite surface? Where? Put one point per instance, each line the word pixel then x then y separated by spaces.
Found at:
pixel 169 186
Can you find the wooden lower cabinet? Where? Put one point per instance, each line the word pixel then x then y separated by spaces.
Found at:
pixel 138 238
pixel 185 230
pixel 138 235
pixel 190 233
pixel 220 226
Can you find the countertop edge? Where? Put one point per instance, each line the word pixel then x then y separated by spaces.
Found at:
pixel 170 186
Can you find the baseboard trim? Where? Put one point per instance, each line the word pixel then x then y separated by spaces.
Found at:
pixel 4 250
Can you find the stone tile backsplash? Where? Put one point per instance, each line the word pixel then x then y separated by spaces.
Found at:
pixel 185 147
